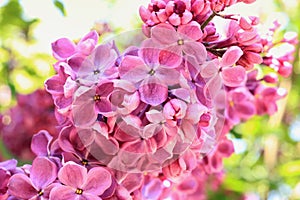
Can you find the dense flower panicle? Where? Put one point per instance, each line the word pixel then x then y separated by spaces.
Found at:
pixel 151 122
pixel 32 113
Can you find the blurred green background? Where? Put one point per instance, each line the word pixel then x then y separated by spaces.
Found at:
pixel 266 164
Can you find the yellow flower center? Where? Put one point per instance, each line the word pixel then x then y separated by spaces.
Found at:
pixel 79 191
pixel 96 71
pixel 84 162
pixel 180 42
pixel 40 193
pixel 152 72
pixel 97 97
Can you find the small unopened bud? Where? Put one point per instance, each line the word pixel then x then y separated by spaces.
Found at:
pixel 204 120
pixel 271 78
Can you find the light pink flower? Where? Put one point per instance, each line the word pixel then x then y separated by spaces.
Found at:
pixel 182 41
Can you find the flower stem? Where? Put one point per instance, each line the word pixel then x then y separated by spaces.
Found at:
pixel 208 20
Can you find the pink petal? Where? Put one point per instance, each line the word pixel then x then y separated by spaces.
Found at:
pixel 153 92
pixel 213 87
pixel 245 109
pixel 153 189
pixel 154 116
pixel 188 186
pixel 104 88
pixel 195 49
pixel 194 112
pixel 133 181
pixel 75 62
pixel 63 48
pixel 175 20
pixel 164 34
pixel 72 175
pixel 149 52
pixel 168 76
pixel 210 68
pixel 144 14
pixel 150 130
pixel 40 143
pixel 189 132
pixel 234 76
pixel 43 172
pixel 93 35
pixel 104 107
pixel 54 85
pixel 63 192
pixel 9 165
pixel 187 16
pixel 98 180
pixel 171 56
pixel 225 148
pixel 133 69
pixel 87 136
pixel 88 43
pixel 253 57
pixel 190 31
pixel 216 163
pixel 109 146
pixel 87 196
pixel 84 103
pixel 231 56
pixel 20 186
pixel 70 87
pixel 128 129
pixel 103 56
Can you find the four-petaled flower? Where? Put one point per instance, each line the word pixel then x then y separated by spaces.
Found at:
pixel 80 184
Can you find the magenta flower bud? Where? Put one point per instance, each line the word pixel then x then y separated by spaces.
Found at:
pixel 245 24
pixel 286 69
pixel 144 13
pixel 205 120
pixel 197 7
pixel 271 78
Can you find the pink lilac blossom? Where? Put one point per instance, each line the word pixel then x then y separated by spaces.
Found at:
pixel 151 122
pixel 38 185
pixel 77 183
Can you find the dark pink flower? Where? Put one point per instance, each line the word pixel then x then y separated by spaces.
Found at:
pixel 240 105
pixel 179 12
pixel 78 183
pixel 38 185
pixel 92 101
pixel 224 73
pixel 266 98
pixel 7 169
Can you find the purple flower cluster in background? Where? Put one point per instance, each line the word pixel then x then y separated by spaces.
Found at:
pixel 151 122
pixel 33 112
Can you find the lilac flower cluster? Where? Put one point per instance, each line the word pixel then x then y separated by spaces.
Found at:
pixel 32 113
pixel 151 122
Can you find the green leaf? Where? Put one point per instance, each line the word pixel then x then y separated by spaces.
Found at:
pixel 60 6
